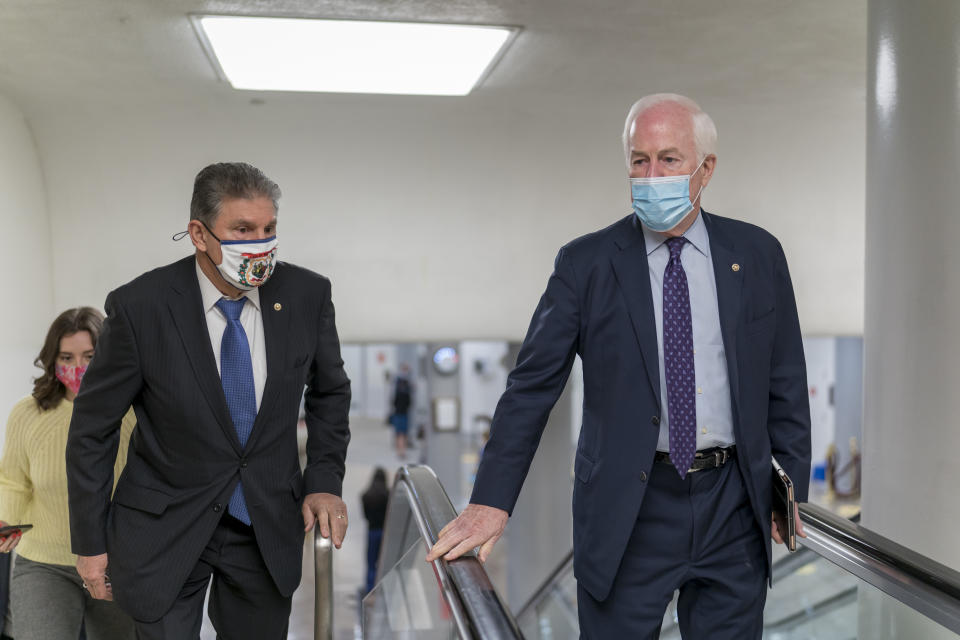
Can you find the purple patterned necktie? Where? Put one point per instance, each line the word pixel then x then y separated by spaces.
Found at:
pixel 678 361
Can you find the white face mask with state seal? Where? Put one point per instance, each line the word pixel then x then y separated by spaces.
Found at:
pixel 246 264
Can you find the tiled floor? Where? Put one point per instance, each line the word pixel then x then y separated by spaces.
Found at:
pixel 370 446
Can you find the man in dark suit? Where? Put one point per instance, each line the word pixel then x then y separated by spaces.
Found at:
pixel 213 352
pixel 694 376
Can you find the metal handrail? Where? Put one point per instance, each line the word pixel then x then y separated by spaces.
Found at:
pixel 919 582
pixel 478 611
pixel 323 594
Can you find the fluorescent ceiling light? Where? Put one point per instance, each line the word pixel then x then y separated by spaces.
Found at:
pixel 345 56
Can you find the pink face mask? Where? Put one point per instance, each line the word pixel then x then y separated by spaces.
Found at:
pixel 71 376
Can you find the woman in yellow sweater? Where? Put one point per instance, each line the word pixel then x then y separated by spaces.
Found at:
pixel 47 597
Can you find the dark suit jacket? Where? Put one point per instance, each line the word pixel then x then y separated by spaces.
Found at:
pixel 598 304
pixel 185 458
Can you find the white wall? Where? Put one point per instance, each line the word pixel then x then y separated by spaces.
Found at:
pixel 821 356
pixel 353 364
pixel 440 218
pixel 380 365
pixel 27 290
pixel 484 367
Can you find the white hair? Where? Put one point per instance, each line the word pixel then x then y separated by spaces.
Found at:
pixel 704 131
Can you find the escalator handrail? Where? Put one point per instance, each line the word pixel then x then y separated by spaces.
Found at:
pixel 323 587
pixel 937 576
pixel 919 582
pixel 478 610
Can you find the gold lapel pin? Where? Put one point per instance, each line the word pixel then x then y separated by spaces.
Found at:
pixel 277 306
pixel 735 267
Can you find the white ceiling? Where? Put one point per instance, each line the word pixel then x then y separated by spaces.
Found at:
pixel 94 54
pixel 448 209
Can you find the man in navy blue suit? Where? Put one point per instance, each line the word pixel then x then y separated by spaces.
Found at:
pixel 694 377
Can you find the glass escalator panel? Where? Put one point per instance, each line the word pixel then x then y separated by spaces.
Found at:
pixel 883 617
pixel 553 614
pixel 823 601
pixel 408 602
pixel 813 599
pixel 434 601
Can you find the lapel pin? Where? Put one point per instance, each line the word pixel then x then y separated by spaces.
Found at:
pixel 277 306
pixel 735 267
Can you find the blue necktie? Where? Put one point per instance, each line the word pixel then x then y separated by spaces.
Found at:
pixel 678 362
pixel 236 375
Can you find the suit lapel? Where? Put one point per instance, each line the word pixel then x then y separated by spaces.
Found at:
pixel 186 307
pixel 633 276
pixel 729 290
pixel 275 327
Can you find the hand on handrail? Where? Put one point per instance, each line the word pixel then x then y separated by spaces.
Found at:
pixel 329 513
pixel 477 526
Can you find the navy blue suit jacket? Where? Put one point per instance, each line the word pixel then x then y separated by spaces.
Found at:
pixel 598 305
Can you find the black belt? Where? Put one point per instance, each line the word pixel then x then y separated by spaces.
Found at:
pixel 706 459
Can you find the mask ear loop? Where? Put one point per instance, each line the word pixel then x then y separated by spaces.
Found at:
pixel 701 184
pixel 180 235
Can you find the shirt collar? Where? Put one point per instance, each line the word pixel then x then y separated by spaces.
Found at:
pixel 696 235
pixel 210 295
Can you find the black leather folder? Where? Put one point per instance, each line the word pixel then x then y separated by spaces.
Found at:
pixel 784 505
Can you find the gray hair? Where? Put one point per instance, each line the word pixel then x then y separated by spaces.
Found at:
pixel 704 131
pixel 218 182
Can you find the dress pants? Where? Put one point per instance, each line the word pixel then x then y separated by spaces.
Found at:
pixel 244 601
pixel 698 535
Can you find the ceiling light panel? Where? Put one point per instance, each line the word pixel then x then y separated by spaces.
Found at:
pixel 344 56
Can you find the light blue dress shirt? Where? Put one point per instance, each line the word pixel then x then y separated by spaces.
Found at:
pixel 714 415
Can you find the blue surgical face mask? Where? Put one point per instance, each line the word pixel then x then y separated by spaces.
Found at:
pixel 662 203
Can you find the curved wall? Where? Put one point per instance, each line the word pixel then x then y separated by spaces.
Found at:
pixel 26 260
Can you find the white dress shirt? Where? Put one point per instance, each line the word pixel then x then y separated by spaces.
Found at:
pixel 251 321
pixel 714 414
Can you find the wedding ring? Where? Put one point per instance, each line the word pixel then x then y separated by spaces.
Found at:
pixel 340 517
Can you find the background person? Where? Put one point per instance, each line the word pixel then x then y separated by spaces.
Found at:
pixel 693 375
pixel 375 500
pixel 400 418
pixel 214 352
pixel 47 596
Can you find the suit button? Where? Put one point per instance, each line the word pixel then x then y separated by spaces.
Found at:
pixel 643 476
pixel 243 464
pixel 655 420
pixel 217 508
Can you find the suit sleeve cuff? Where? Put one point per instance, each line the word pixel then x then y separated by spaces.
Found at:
pixel 322 482
pixel 88 547
pixel 491 498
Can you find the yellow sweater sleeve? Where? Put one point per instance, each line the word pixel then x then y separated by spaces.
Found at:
pixel 16 490
pixel 126 429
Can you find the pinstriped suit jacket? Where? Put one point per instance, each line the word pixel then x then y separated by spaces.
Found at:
pixel 185 459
